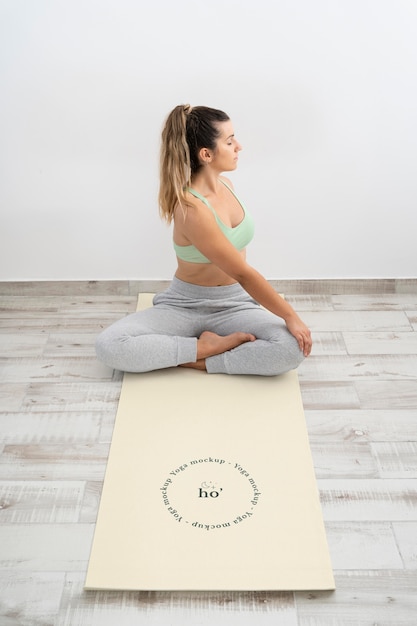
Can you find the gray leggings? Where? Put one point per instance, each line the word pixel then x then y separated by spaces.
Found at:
pixel 165 335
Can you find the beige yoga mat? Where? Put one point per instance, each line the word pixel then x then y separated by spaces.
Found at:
pixel 209 486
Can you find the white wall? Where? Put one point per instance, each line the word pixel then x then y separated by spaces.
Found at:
pixel 322 94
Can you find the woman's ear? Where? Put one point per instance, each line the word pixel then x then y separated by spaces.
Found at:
pixel 205 156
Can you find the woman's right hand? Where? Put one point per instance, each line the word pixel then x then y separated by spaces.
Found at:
pixel 301 332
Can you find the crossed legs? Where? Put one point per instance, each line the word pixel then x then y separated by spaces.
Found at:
pixel 162 336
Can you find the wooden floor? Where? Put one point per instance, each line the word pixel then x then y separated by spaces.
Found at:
pixel 57 409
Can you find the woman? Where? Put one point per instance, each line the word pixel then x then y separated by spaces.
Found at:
pixel 210 317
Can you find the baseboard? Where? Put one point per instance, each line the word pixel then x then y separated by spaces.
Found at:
pixel 134 287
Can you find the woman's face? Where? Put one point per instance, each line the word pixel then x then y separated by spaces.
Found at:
pixel 225 156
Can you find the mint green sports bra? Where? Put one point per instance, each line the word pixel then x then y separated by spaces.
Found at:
pixel 239 235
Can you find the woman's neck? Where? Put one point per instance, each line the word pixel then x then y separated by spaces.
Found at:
pixel 206 181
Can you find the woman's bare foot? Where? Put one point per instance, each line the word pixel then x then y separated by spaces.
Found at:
pixel 209 344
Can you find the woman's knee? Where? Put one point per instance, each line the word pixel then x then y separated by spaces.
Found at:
pixel 287 355
pixel 119 353
pixel 104 346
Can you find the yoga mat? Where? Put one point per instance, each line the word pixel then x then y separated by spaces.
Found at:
pixel 209 485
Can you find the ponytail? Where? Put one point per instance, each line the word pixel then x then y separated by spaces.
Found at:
pixel 186 131
pixel 175 168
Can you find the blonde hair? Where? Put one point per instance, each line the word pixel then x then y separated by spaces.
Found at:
pixel 186 131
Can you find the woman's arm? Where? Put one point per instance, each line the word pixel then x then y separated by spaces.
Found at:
pixel 200 228
pixel 259 288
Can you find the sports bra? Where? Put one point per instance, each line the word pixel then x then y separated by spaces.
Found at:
pixel 239 235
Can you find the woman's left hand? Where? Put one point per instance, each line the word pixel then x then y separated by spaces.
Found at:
pixel 302 334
